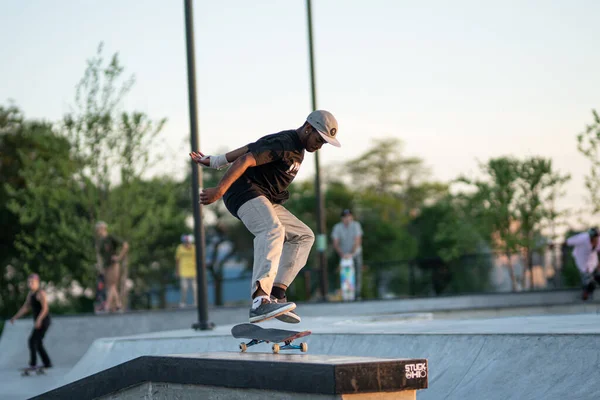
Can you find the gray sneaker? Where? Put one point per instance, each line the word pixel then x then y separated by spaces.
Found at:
pixel 268 310
pixel 289 317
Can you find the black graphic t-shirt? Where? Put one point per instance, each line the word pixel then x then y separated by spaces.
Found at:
pixel 107 246
pixel 278 158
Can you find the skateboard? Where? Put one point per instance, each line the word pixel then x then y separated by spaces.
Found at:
pixel 262 335
pixel 28 370
pixel 348 279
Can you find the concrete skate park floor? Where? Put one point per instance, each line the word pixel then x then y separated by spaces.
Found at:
pixel 553 355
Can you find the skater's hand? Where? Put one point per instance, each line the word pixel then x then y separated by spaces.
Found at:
pixel 210 195
pixel 38 324
pixel 12 321
pixel 199 158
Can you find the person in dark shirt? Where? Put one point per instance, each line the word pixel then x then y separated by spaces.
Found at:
pixel 254 190
pixel 37 303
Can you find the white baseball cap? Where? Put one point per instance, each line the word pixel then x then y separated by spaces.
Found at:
pixel 325 123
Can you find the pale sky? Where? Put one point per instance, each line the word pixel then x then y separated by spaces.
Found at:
pixel 457 81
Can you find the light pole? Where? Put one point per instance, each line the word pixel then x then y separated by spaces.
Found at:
pixel 321 227
pixel 202 294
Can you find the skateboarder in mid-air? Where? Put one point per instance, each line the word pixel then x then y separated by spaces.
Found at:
pixel 254 190
pixel 36 301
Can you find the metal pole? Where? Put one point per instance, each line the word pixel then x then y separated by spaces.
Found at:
pixel 321 228
pixel 202 295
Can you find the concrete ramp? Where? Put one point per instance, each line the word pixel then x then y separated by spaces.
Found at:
pixel 14 354
pixel 399 328
pixel 461 366
pixel 13 344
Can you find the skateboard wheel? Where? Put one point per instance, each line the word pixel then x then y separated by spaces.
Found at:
pixel 275 348
pixel 243 347
pixel 303 347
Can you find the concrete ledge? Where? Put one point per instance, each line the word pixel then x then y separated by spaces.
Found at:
pixel 292 373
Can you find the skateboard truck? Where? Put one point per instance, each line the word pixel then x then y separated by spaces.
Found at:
pixel 303 347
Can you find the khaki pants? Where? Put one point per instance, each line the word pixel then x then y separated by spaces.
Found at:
pixel 282 243
pixel 185 284
pixel 111 279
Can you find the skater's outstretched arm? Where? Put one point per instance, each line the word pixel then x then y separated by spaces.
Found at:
pixel 218 161
pixel 232 156
pixel 210 195
pixel 22 311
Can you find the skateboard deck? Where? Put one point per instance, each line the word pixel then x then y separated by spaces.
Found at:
pixel 348 279
pixel 263 335
pixel 29 370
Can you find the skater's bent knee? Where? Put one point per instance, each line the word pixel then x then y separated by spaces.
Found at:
pixel 308 236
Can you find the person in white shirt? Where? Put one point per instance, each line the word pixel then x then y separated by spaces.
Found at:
pixel 347 241
pixel 585 252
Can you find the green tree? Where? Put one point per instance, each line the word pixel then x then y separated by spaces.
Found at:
pixel 515 203
pixel 11 125
pixel 12 275
pixel 91 127
pixel 384 169
pixel 383 218
pixel 50 230
pixel 462 226
pixel 391 191
pixel 158 221
pixel 539 187
pixel 450 241
pixel 498 192
pixel 112 144
pixel 588 143
pixel 137 136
